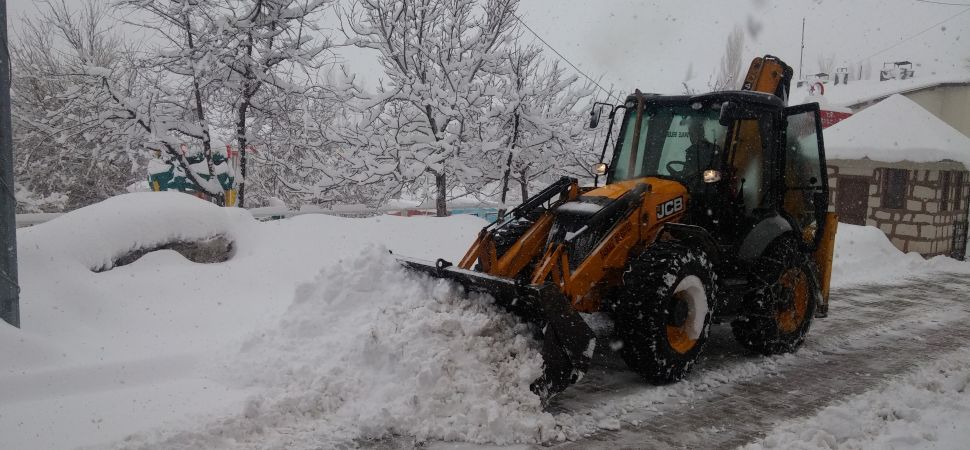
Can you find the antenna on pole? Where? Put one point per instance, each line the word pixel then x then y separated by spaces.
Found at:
pixel 801 55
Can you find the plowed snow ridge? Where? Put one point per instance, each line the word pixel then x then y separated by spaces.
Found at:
pixel 369 350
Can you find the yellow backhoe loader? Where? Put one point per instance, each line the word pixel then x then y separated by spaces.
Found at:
pixel 715 207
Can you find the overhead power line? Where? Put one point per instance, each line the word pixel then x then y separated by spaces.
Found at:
pixel 943 3
pixel 591 80
pixel 918 34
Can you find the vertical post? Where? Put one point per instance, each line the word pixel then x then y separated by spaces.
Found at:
pixel 801 54
pixel 9 288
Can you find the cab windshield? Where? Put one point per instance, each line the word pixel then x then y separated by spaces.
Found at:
pixel 674 141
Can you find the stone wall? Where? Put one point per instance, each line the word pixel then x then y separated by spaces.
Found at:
pixel 920 226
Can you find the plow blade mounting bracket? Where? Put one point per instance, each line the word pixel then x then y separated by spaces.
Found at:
pixel 567 341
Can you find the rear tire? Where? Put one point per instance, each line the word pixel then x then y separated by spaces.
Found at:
pixel 780 312
pixel 664 311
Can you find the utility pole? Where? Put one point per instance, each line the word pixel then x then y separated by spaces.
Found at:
pixel 9 288
pixel 801 55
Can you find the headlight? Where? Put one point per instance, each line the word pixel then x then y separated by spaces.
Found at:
pixel 712 176
pixel 600 168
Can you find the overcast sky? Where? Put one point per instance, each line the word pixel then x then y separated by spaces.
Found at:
pixel 650 44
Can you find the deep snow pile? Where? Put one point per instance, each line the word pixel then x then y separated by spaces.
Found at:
pixel 104 355
pixel 864 255
pixel 929 408
pixel 368 350
pixel 97 235
pixel 71 315
pixel 403 355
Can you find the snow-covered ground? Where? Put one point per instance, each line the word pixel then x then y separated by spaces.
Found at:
pixel 308 333
pixel 102 355
pixel 928 408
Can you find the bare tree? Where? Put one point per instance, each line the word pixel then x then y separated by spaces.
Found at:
pixel 729 73
pixel 62 143
pixel 688 76
pixel 186 51
pixel 435 54
pixel 536 119
pixel 826 64
pixel 213 65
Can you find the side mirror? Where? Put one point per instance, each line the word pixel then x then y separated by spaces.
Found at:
pixel 731 111
pixel 600 169
pixel 594 116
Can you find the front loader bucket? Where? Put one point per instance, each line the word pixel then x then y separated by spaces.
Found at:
pixel 568 342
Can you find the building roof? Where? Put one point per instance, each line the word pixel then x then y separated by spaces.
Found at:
pixel 859 92
pixel 894 130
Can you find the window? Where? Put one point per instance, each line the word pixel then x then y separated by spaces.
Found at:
pixel 944 191
pixel 894 188
pixel 958 191
pixel 803 169
pixel 670 143
pixel 748 160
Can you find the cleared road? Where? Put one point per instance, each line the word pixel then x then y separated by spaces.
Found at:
pixel 873 332
pixel 734 397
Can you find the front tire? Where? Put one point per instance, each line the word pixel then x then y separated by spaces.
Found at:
pixel 664 311
pixel 780 312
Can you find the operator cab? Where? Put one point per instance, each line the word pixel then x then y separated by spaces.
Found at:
pixel 741 155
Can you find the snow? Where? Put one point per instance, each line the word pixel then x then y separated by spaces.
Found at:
pixel 223 169
pixel 310 332
pixel 156 166
pixel 862 91
pixel 927 408
pixel 864 255
pixel 914 135
pixel 405 356
pixel 103 355
pixel 97 235
pixel 201 167
pixel 580 208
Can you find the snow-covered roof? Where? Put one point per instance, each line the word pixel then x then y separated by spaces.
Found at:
pixel 862 91
pixel 893 130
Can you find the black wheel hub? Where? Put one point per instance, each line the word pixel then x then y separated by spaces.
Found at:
pixel 678 312
pixel 784 298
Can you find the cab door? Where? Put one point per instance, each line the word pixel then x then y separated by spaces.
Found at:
pixel 805 178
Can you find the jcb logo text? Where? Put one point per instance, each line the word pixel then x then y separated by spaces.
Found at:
pixel 669 207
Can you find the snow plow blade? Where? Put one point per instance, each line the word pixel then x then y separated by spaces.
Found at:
pixel 567 341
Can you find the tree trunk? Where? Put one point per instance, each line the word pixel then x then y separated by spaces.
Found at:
pixel 524 184
pixel 505 185
pixel 441 207
pixel 241 138
pixel 200 111
pixel 249 90
pixel 197 90
pixel 508 165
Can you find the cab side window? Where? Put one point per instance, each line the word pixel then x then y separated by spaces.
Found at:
pixel 748 162
pixel 803 170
